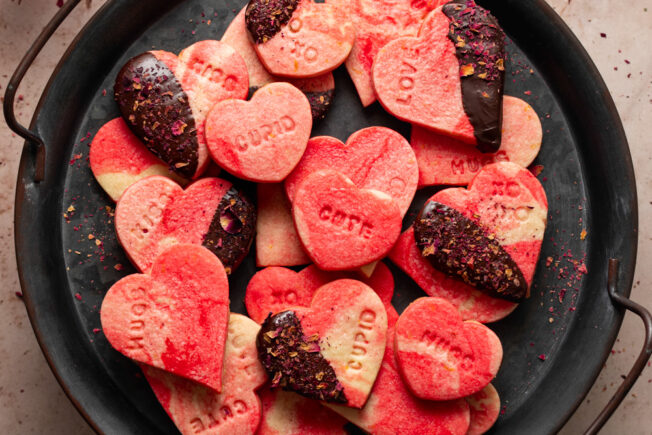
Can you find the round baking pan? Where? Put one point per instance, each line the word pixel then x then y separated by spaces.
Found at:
pixel 555 343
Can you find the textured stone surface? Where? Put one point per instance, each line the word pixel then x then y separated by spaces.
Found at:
pixel 26 383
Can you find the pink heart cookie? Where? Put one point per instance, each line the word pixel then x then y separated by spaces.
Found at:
pixel 342 226
pixel 490 234
pixel 197 409
pixel 440 356
pixel 319 90
pixel 175 318
pixel 444 160
pixel 373 158
pixel 485 408
pixel 155 213
pixel 451 86
pixel 118 159
pixel 299 38
pixel 329 354
pixel 262 139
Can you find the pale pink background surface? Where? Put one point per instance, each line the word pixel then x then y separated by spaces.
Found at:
pixel 31 401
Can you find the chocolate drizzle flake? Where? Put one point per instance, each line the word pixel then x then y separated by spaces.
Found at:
pixel 461 248
pixel 232 229
pixel 294 362
pixel 158 111
pixel 480 49
pixel 264 18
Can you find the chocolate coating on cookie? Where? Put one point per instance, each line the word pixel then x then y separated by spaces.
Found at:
pixel 264 18
pixel 320 103
pixel 157 110
pixel 232 229
pixel 294 362
pixel 480 49
pixel 461 248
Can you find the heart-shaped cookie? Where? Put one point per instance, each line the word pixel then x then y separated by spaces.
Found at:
pixel 175 318
pixel 373 158
pixel 450 78
pixel 378 22
pixel 485 408
pixel 444 160
pixel 262 139
pixel 275 289
pixel 118 159
pixel 471 303
pixel 440 356
pixel 155 213
pixel 277 242
pixel 319 90
pixel 342 226
pixel 490 235
pixel 196 409
pixel 329 354
pixel 299 38
pixel 165 99
pixel 393 409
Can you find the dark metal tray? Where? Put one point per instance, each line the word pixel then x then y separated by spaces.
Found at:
pixel 554 344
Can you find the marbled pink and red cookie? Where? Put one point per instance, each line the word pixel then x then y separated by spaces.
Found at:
pixel 378 22
pixel 275 289
pixel 331 354
pixel 319 90
pixel 197 409
pixel 485 408
pixel 373 158
pixel 440 356
pixel 393 409
pixel 155 213
pixel 488 235
pixel 342 226
pixel 263 139
pixel 165 99
pixel 445 160
pixel 450 78
pixel 299 38
pixel 174 318
pixel 118 159
pixel 277 242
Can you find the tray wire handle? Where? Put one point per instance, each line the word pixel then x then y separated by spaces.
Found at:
pixel 17 77
pixel 643 357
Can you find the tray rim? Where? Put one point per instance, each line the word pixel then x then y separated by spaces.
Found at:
pixel 22 198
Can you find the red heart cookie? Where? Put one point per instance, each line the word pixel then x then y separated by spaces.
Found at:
pixel 444 160
pixel 262 139
pixel 393 409
pixel 195 408
pixel 118 159
pixel 450 78
pixel 373 158
pixel 299 38
pixel 277 242
pixel 471 303
pixel 342 226
pixel 165 99
pixel 378 22
pixel 175 318
pixel 275 289
pixel 490 235
pixel 442 357
pixel 319 90
pixel 329 354
pixel 155 213
pixel 485 408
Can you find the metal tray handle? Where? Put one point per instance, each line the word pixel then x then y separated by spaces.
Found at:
pixel 643 357
pixel 12 87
